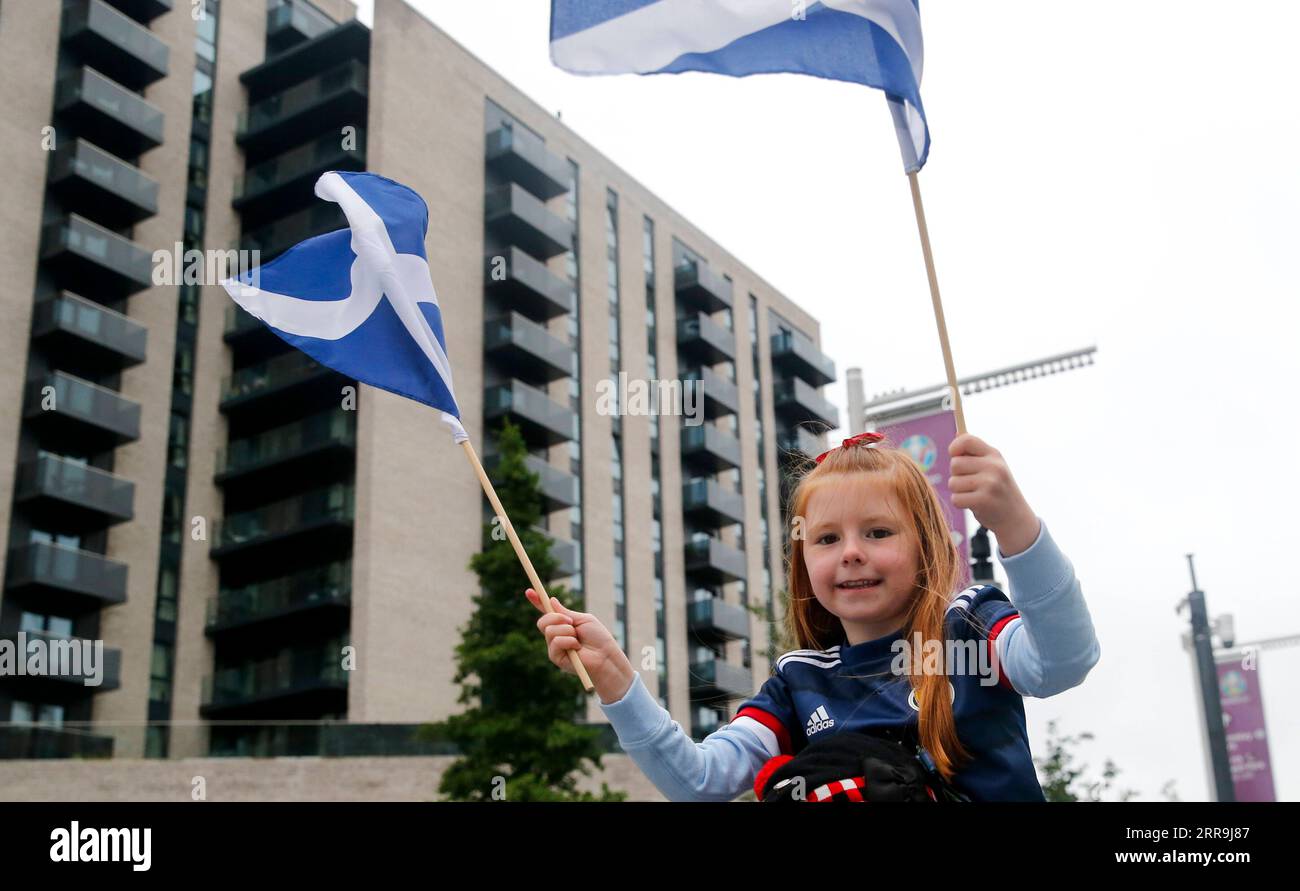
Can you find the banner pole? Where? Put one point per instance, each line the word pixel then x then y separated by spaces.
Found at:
pixel 523 556
pixel 938 304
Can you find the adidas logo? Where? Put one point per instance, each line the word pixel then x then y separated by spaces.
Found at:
pixel 819 720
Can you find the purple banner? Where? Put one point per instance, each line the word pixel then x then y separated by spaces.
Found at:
pixel 926 439
pixel 1243 722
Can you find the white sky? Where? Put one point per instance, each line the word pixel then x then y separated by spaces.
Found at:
pixel 1112 173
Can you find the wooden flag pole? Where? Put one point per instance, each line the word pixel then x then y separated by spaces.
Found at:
pixel 523 556
pixel 938 304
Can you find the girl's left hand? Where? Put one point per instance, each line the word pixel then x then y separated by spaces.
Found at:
pixel 982 481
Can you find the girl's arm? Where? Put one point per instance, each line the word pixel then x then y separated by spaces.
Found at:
pixel 1052 646
pixel 719 768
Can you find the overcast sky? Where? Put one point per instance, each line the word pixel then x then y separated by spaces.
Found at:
pixel 1118 174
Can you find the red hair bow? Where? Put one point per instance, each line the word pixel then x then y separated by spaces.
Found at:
pixel 861 439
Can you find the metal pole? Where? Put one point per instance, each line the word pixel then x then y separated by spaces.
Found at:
pixel 1208 673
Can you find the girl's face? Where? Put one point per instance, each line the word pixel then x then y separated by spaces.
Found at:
pixel 857 532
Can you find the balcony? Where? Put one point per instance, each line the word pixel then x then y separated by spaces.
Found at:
pixel 559 489
pixel 707 449
pixel 324 590
pixel 799 403
pixel 704 341
pixel 289 179
pixel 67 662
pixel 716 678
pixel 714 620
pixel 797 355
pixel 520 157
pixel 565 553
pixel 121 122
pixel 719 395
pixel 528 350
pixel 314 447
pixel 322 515
pixel 708 503
pixel 100 337
pixel 59 575
pixel 89 179
pixel 283 378
pixel 714 562
pixel 143 11
pixel 295 682
pixel 800 440
pixel 113 43
pixel 324 50
pixel 700 287
pixel 89 259
pixel 76 412
pixel 329 100
pixel 58 493
pixel 543 421
pixel 31 741
pixel 290 23
pixel 275 238
pixel 519 218
pixel 527 285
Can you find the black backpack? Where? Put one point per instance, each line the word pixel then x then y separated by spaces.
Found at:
pixel 880 765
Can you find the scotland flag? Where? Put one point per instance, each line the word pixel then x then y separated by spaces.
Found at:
pixel 872 42
pixel 361 300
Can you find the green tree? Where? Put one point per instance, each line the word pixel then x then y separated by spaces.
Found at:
pixel 1063 781
pixel 519 738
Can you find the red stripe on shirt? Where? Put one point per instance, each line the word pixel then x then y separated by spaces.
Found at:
pixel 993 649
pixel 771 722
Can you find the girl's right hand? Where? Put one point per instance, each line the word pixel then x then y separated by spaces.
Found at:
pixel 600 654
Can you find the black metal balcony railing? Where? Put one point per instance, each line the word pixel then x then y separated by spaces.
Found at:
pixel 793 352
pixel 268 181
pixel 708 502
pixel 699 285
pixel 712 678
pixel 799 402
pixel 114 43
pixel 529 285
pixel 271 376
pixel 523 158
pixel 319 586
pixel 290 672
pixel 82 410
pixel 542 420
pixel 331 429
pixel 274 124
pixel 69 570
pixel 73 493
pixel 715 562
pixel 88 258
pixel 275 238
pixel 332 504
pixel 519 218
pixel 706 447
pixel 704 340
pixel 120 121
pixel 90 180
pixel 529 349
pixel 714 620
pixel 719 395
pixel 289 23
pixel 103 337
pixel 558 488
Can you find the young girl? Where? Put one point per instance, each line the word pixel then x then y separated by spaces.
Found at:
pixel 873 598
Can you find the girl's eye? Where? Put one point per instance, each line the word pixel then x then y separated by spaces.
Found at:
pixel 825 536
pixel 885 531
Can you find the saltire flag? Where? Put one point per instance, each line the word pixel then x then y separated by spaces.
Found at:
pixel 361 300
pixel 871 42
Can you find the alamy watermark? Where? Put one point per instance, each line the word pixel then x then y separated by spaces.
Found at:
pixel 637 396
pixel 961 657
pixel 42 656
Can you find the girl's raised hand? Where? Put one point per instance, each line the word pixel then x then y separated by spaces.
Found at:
pixel 982 481
pixel 600 654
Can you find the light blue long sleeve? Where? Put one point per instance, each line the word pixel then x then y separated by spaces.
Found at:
pixel 1051 649
pixel 1054 646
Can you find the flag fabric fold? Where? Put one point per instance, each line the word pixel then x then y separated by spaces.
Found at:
pixel 361 300
pixel 872 42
